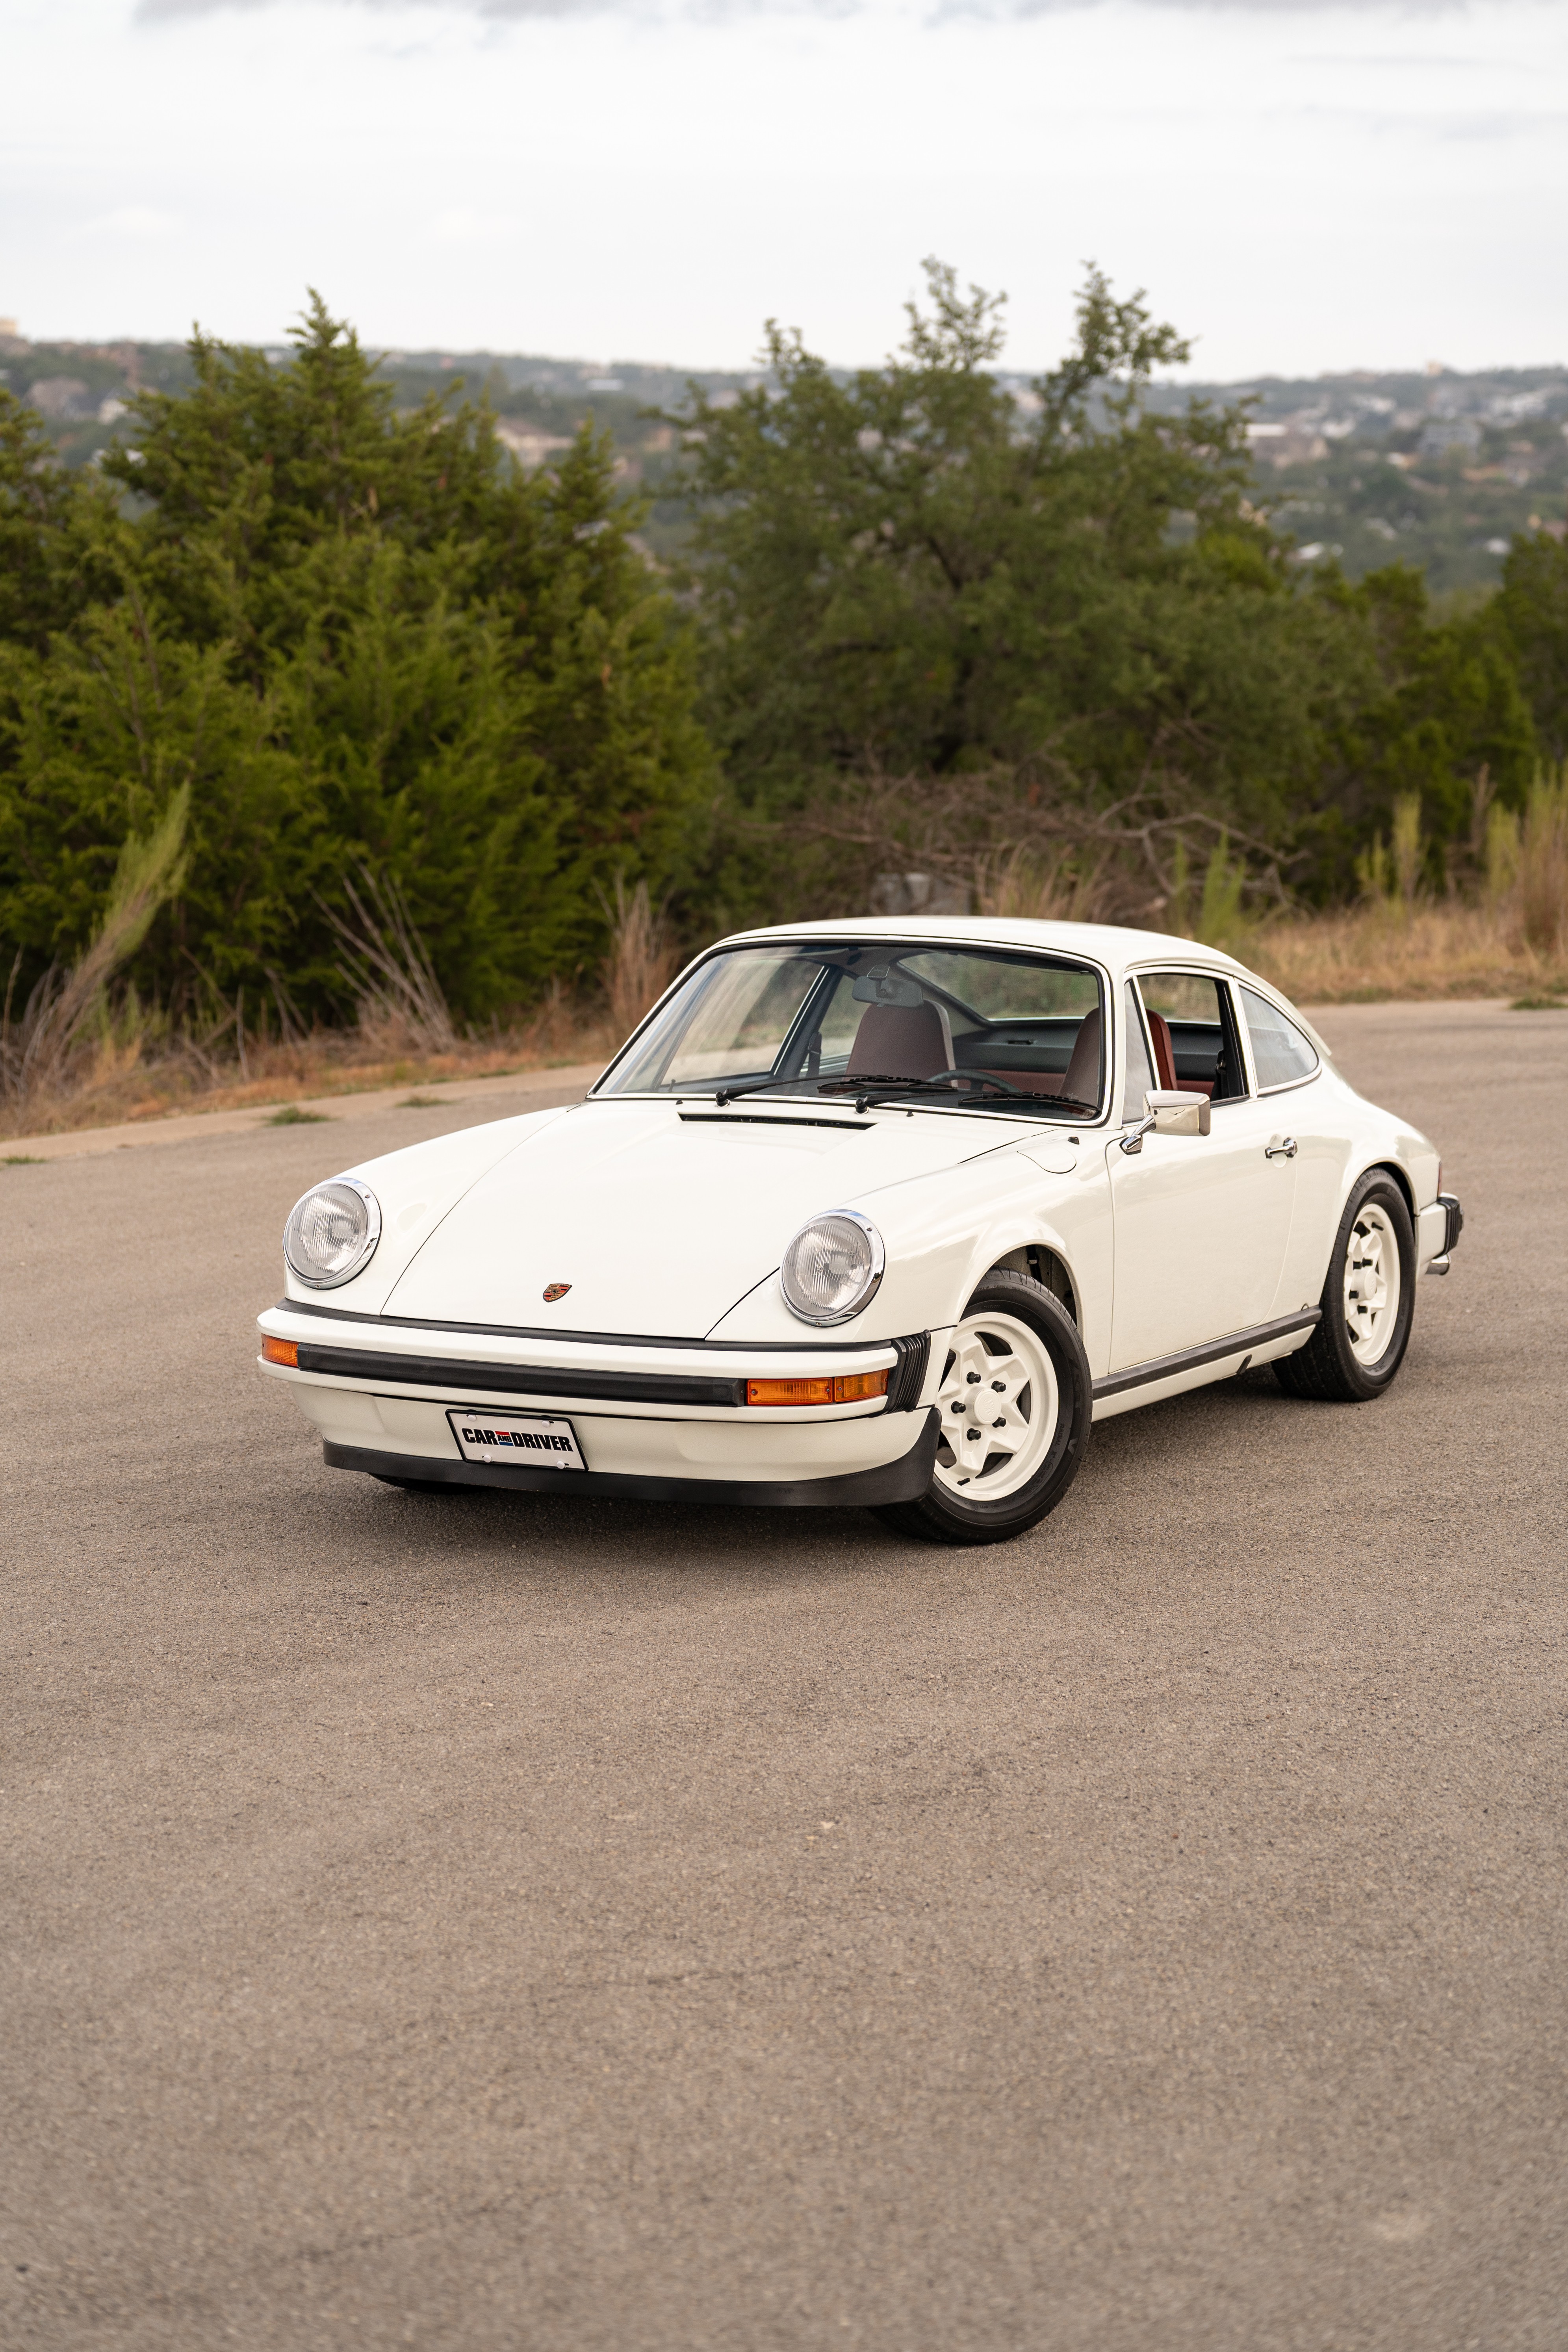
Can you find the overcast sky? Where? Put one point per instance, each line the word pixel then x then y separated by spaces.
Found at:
pixel 1300 187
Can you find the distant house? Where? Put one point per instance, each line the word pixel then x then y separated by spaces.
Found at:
pixel 528 443
pixel 1294 442
pixel 63 399
pixel 1439 434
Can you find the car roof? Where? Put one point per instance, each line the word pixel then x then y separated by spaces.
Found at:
pixel 1108 943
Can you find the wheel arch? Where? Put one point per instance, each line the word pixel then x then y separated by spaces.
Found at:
pixel 1388 1166
pixel 1401 1177
pixel 1044 1262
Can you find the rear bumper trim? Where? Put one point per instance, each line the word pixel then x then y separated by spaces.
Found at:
pixel 1449 1203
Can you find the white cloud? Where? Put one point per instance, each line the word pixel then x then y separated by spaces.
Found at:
pixel 462 225
pixel 1298 190
pixel 153 11
pixel 137 222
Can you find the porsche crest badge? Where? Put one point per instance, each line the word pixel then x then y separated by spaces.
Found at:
pixel 555 1290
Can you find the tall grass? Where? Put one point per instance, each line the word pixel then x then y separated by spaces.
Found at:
pixel 1541 884
pixel 643 957
pixel 64 1005
pixel 1510 937
pixel 401 1005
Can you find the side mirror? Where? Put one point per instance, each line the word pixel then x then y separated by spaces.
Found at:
pixel 1168 1112
pixel 1174 1113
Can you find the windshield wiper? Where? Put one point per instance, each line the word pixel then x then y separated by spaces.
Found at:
pixel 874 1082
pixel 728 1093
pixel 876 1086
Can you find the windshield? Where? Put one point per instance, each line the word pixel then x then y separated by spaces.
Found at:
pixel 880 1020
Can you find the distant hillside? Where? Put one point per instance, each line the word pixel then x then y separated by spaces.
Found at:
pixel 1439 469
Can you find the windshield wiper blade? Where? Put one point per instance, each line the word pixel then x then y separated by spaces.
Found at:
pixel 728 1093
pixel 941 1083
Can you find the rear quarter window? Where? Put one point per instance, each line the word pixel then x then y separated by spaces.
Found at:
pixel 1281 1054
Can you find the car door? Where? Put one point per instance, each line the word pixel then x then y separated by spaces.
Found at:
pixel 1287 1078
pixel 1201 1224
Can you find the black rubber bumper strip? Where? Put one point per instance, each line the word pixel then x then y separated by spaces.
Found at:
pixel 909 1372
pixel 443 1373
pixel 1165 1367
pixel 857 1490
pixel 383 1366
pixel 1448 1203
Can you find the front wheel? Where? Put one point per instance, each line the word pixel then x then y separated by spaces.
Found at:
pixel 1014 1407
pixel 1368 1301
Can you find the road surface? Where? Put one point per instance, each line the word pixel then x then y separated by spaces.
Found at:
pixel 491 1922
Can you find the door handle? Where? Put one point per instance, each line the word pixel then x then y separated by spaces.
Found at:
pixel 1282 1147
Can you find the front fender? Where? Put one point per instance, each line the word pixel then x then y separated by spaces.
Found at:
pixel 944 1233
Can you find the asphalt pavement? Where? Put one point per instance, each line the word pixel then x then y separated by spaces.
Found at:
pixel 508 1925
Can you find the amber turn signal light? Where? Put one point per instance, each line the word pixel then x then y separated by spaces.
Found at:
pixel 282 1351
pixel 847 1388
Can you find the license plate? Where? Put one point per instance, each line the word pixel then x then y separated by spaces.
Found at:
pixel 530 1441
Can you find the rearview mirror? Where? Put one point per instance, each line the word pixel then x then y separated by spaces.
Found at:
pixel 880 986
pixel 1174 1113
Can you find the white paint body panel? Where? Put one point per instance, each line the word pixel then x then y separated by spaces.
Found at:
pixel 670 1230
pixel 1202 1231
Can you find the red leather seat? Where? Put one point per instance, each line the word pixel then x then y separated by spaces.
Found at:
pixel 898 1040
pixel 1164 1056
pixel 1165 1060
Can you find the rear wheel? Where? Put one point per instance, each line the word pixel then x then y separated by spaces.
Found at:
pixel 1014 1406
pixel 1368 1301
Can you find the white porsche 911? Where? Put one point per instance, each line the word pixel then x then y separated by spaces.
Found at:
pixel 882 1212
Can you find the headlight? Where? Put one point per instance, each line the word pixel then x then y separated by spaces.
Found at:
pixel 332 1233
pixel 832 1268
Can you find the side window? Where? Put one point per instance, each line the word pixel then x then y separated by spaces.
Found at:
pixel 1141 1079
pixel 1192 1025
pixel 1280 1053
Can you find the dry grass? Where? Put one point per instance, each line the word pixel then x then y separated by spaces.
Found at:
pixel 1512 941
pixel 121 1084
pixel 404 1034
pixel 1385 952
pixel 643 959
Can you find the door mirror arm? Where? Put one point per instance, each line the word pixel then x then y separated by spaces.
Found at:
pixel 1168 1112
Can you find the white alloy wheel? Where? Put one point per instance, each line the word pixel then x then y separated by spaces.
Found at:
pixel 1372 1283
pixel 998 1404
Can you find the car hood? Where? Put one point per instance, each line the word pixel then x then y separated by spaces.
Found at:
pixel 660 1218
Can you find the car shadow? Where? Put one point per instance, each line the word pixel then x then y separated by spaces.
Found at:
pixel 1240 1445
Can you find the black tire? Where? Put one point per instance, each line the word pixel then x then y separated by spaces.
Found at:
pixel 942 1516
pixel 1327 1369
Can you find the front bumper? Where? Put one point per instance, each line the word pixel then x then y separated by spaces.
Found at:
pixel 902 1480
pixel 655 1420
